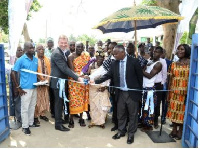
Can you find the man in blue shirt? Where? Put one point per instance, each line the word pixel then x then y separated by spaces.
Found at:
pixel 26 89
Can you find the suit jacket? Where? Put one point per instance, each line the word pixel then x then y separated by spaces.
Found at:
pixel 134 77
pixel 59 68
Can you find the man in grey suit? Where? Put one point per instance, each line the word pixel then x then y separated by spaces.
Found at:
pixel 60 69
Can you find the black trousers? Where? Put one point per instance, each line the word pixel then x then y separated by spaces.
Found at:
pixel 158 86
pixel 51 98
pixel 114 116
pixel 127 108
pixel 58 107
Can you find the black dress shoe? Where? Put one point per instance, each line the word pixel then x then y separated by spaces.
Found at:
pixel 130 140
pixel 114 128
pixel 62 128
pixel 118 136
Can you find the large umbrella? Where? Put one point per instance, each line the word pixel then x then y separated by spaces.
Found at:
pixel 137 17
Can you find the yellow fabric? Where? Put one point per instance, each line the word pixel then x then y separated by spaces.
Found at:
pixel 79 93
pixel 47 69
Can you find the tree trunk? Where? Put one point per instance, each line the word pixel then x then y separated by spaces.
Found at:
pixel 25 33
pixel 169 29
pixel 169 38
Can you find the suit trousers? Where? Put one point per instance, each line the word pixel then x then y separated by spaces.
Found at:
pixel 127 108
pixel 58 105
pixel 114 104
pixel 51 98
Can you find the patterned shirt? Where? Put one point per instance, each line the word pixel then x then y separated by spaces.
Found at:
pixel 143 62
pixel 107 63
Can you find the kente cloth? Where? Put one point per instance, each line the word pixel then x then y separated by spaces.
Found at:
pixel 42 104
pixel 79 93
pixel 147 110
pixel 179 76
pixel 99 103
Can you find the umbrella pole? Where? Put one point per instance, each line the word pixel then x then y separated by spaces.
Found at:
pixel 136 49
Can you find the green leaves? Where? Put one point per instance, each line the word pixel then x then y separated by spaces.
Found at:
pixel 144 11
pixel 149 2
pixel 124 9
pixel 121 16
pixel 4 15
pixel 35 7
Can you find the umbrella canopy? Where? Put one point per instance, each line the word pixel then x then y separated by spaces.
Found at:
pixel 143 16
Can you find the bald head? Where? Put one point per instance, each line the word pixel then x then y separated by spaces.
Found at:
pixel 29 48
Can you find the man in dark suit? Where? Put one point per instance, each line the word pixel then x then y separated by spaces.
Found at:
pixel 60 69
pixel 126 74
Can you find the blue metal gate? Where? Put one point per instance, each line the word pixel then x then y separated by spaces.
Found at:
pixel 4 119
pixel 190 127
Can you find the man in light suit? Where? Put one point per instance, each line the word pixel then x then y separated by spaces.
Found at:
pixel 126 73
pixel 60 69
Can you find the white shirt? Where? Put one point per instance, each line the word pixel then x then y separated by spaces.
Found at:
pixel 162 75
pixel 100 71
pixel 149 82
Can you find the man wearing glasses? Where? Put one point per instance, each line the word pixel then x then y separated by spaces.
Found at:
pixel 26 89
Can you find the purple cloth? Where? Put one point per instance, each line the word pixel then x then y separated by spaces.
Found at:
pixel 86 67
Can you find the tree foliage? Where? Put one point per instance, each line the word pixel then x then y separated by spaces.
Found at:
pixel 4 14
pixel 83 38
pixel 35 7
pixel 184 39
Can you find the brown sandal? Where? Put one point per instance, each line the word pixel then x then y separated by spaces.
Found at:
pixel 172 135
pixel 90 126
pixel 102 126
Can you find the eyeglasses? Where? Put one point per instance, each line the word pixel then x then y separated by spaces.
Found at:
pixel 72 44
pixel 31 48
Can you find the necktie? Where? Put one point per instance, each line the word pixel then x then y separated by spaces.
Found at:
pixel 122 77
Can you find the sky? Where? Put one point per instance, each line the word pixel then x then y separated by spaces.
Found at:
pixel 78 17
pixel 74 17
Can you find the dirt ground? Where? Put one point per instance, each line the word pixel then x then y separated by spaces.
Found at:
pixel 81 137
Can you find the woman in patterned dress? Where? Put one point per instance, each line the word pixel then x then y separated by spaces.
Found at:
pixel 98 95
pixel 178 73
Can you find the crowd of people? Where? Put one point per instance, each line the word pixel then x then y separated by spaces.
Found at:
pixel 97 80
